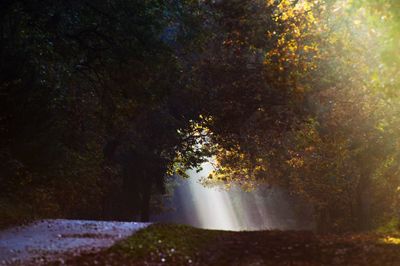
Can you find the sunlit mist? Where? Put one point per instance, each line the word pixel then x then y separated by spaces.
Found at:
pixel 233 209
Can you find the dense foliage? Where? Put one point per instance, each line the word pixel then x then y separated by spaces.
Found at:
pixel 102 100
pixel 92 100
pixel 332 138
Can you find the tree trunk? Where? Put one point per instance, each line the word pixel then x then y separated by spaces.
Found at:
pixel 362 221
pixel 145 203
pixel 323 221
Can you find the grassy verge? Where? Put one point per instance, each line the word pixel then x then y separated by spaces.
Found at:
pixel 157 244
pixel 391 227
pixel 14 214
pixel 163 244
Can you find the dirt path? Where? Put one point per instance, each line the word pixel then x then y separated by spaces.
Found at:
pixel 56 240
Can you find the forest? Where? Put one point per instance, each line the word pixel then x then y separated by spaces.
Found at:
pixel 102 101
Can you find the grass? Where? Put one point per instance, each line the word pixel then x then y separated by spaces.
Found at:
pixel 14 214
pixel 172 243
pixel 167 244
pixel 157 244
pixel 391 227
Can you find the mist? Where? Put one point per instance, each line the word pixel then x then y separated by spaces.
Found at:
pixel 235 209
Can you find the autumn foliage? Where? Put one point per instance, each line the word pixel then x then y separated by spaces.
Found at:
pixel 101 101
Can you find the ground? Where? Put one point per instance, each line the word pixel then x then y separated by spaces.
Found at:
pixel 163 244
pixel 57 240
pixel 60 242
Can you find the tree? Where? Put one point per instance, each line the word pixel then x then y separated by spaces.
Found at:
pixel 84 74
pixel 315 123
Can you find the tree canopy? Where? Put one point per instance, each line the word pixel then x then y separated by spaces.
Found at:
pixel 101 101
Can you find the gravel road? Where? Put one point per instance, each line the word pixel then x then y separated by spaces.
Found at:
pixel 56 240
